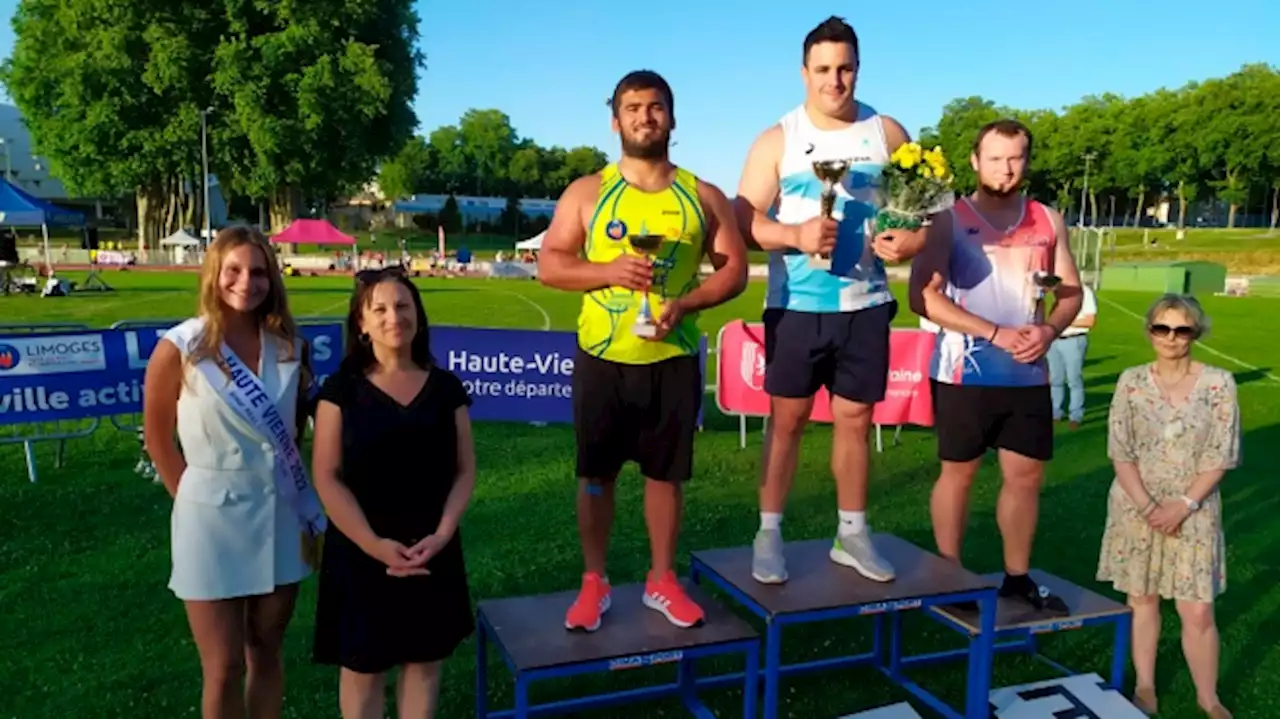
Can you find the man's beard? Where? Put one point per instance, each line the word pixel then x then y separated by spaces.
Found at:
pixel 1000 193
pixel 652 149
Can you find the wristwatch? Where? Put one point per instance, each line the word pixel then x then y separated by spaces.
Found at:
pixel 1192 504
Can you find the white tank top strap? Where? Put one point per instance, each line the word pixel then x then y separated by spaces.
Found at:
pixel 185 334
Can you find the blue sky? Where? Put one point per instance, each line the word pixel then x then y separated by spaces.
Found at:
pixel 734 66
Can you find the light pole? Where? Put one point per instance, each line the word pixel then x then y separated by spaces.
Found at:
pixel 1084 191
pixel 204 175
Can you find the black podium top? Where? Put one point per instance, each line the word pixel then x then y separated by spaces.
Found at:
pixel 531 629
pixel 815 582
pixel 1081 603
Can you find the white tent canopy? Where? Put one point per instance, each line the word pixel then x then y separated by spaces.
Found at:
pixel 180 239
pixel 533 243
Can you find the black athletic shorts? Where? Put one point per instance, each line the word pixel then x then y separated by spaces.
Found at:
pixel 846 352
pixel 970 419
pixel 647 414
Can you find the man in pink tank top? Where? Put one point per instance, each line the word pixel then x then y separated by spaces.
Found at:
pixel 983 277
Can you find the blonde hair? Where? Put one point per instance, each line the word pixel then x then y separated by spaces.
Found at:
pixel 273 314
pixel 1187 305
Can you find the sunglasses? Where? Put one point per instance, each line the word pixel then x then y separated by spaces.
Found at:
pixel 1182 332
pixel 368 277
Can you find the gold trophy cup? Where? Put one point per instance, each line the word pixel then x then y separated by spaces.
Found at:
pixel 831 173
pixel 645 245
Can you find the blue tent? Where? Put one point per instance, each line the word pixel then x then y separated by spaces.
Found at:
pixel 19 209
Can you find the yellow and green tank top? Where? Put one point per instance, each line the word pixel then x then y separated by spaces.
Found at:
pixel 605 323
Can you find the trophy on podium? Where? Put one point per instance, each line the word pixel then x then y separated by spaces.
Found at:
pixel 646 245
pixel 831 173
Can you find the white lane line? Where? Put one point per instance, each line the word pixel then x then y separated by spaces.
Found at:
pixel 1201 345
pixel 100 306
pixel 340 303
pixel 546 318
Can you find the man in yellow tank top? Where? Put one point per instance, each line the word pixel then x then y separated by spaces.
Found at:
pixel 631 238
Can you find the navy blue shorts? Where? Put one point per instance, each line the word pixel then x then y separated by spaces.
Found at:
pixel 846 352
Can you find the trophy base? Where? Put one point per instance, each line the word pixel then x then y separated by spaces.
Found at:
pixel 644 329
pixel 818 262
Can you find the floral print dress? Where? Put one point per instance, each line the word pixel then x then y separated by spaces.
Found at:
pixel 1170 445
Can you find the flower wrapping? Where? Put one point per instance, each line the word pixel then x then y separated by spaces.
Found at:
pixel 915 184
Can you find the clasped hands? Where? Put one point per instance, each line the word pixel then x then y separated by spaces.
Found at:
pixel 1168 516
pixel 636 273
pixel 1026 344
pixel 405 561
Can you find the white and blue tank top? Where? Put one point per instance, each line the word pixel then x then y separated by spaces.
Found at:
pixel 856 280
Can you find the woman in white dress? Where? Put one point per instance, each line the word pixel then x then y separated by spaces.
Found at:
pixel 237 528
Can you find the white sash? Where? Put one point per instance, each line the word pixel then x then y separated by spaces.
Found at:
pixel 246 395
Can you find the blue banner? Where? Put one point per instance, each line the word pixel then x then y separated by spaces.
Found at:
pixel 511 375
pixel 99 373
pixel 514 375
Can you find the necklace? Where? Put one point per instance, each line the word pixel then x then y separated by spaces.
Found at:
pixel 1173 429
pixel 1164 384
pixel 1166 388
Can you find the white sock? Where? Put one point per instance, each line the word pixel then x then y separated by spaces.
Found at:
pixel 852 522
pixel 770 520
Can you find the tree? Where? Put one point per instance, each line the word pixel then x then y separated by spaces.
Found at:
pixel 1220 136
pixel 409 170
pixel 313 104
pixel 111 94
pixel 483 154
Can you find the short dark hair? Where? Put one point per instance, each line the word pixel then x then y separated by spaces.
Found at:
pixel 1006 127
pixel 642 80
pixel 833 29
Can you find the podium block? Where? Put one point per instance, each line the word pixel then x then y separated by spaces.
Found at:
pixel 820 590
pixel 1017 625
pixel 1084 696
pixel 529 634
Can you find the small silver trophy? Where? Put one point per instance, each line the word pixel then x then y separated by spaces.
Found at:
pixel 831 173
pixel 1044 282
pixel 646 245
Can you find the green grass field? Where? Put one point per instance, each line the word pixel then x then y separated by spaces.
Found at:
pixel 88 628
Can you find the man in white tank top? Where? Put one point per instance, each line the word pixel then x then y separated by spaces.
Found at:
pixel 823 326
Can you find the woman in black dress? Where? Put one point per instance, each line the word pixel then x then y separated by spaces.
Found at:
pixel 395 467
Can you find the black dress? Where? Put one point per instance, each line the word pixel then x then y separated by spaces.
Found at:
pixel 400 463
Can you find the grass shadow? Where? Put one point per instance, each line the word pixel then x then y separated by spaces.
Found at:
pixel 1254 375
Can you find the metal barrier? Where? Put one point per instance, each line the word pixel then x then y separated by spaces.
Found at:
pixel 132 421
pixel 59 430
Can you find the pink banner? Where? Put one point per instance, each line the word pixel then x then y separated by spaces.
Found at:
pixel 740 377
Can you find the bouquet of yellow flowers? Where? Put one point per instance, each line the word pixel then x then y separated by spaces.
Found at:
pixel 916 183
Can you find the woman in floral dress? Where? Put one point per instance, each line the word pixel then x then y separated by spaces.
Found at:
pixel 1174 433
